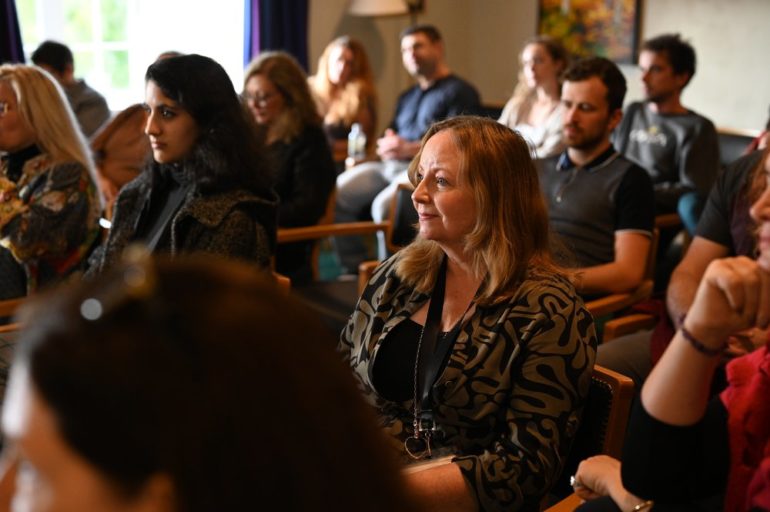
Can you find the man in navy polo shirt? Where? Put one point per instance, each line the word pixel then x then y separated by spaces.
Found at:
pixel 600 204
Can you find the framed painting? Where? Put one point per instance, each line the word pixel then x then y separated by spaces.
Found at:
pixel 608 28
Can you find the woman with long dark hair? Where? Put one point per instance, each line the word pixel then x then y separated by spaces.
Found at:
pixel 207 189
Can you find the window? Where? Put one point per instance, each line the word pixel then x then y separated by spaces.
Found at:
pixel 113 41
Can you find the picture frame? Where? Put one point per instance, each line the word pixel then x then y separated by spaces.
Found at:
pixel 607 28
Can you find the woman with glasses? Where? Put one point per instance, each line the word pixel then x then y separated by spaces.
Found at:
pixel 186 386
pixel 206 189
pixel 49 204
pixel 277 94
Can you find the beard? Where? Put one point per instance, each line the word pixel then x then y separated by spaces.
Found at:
pixel 584 141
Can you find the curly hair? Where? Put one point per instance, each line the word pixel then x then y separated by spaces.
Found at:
pixel 680 53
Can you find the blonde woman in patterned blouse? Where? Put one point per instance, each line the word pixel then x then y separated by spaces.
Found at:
pixel 49 204
pixel 505 398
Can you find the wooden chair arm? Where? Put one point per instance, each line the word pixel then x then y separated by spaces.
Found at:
pixel 628 324
pixel 286 235
pixel 619 301
pixel 568 504
pixel 9 307
pixel 668 220
pixel 365 271
pixel 9 328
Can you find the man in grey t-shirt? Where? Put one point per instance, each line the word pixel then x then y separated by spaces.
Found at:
pixel 678 147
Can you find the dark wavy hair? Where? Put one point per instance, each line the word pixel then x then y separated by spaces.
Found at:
pixel 228 154
pixel 201 370
pixel 606 71
pixel 680 53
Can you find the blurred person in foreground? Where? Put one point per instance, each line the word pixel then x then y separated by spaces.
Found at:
pixel 187 385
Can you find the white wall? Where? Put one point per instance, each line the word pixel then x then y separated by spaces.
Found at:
pixel 483 38
pixel 732 83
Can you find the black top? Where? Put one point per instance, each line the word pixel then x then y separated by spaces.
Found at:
pixel 304 176
pixel 17 160
pixel 168 194
pixel 725 219
pixel 393 371
pixel 680 468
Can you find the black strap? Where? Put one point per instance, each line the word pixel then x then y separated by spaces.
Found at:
pixel 434 348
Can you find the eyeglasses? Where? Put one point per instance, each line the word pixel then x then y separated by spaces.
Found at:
pixel 260 99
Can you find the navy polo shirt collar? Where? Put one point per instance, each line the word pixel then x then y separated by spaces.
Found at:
pixel 565 164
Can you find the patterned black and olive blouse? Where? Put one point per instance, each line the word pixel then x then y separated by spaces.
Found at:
pixel 509 400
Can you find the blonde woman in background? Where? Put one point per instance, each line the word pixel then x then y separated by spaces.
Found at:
pixel 49 203
pixel 535 109
pixel 344 90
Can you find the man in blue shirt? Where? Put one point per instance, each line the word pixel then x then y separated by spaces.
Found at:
pixel 438 94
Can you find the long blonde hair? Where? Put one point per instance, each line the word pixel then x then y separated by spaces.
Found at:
pixel 288 77
pixel 510 240
pixel 45 109
pixel 523 92
pixel 343 103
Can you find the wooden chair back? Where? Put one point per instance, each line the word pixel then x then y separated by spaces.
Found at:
pixel 402 219
pixel 603 428
pixel 283 283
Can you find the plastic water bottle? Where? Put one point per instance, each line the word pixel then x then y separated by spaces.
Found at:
pixel 356 145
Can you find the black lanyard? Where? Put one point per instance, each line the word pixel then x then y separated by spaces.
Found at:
pixel 434 348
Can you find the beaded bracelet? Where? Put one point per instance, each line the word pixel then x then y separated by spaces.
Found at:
pixel 697 344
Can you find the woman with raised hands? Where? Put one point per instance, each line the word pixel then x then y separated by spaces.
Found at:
pixel 683 447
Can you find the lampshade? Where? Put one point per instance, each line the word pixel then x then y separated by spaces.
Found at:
pixel 377 7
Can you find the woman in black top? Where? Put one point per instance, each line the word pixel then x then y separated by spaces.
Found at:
pixel 278 96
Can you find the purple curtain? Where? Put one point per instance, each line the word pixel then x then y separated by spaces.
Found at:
pixel 11 49
pixel 276 25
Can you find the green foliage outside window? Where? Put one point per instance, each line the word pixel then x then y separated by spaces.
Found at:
pixel 77 22
pixel 116 65
pixel 114 20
